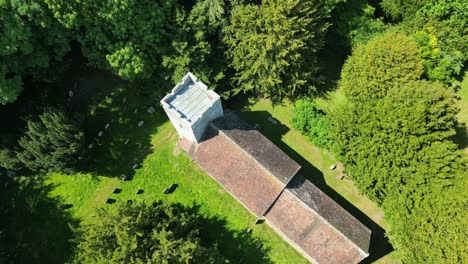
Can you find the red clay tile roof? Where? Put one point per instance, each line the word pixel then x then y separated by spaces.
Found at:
pixel 237 172
pixel 257 146
pixel 303 226
pixel 331 212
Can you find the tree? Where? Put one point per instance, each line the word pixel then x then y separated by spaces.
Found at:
pixel 273 47
pixel 125 36
pixel 196 44
pixel 140 233
pixel 51 143
pixel 375 139
pixel 311 122
pixel 31 41
pixel 397 150
pixel 439 28
pixel 385 61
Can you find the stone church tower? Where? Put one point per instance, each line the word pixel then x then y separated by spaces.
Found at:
pixel 191 106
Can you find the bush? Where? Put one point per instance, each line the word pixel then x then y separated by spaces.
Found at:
pixel 311 122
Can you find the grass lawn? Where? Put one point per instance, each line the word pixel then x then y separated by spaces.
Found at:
pixel 315 166
pixel 153 147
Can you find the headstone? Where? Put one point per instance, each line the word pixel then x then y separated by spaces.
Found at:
pixel 124 100
pixel 126 142
pixel 11 174
pixel 140 123
pixel 65 206
pixel 139 191
pixel 106 126
pixel 136 166
pixel 129 201
pixel 110 201
pixel 112 121
pixel 332 167
pixel 341 177
pixel 242 260
pixel 99 134
pixel 135 111
pixel 125 178
pixel 90 146
pixel 259 246
pixel 249 230
pixel 151 110
pixel 272 120
pixel 70 93
pixel 171 188
pixel 117 190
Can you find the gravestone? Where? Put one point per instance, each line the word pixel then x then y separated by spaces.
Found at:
pixel 106 126
pixel 90 146
pixel 117 190
pixel 140 123
pixel 139 191
pixel 110 201
pixel 151 110
pixel 99 134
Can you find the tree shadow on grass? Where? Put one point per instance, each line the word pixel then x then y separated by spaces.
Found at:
pixel 461 136
pixel 33 227
pixel 379 244
pixel 119 128
pixel 234 246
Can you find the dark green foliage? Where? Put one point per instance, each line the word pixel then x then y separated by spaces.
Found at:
pixel 376 137
pixel 272 47
pixel 196 45
pixel 440 28
pixel 355 23
pixel 385 61
pixel 124 36
pixel 311 122
pixel 139 233
pixel 397 150
pixel 52 143
pixel 8 160
pixel 32 228
pixel 30 41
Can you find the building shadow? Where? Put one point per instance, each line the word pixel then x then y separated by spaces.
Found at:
pixel 34 228
pixel 379 244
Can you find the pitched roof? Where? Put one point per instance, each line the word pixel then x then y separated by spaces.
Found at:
pixel 331 212
pixel 256 145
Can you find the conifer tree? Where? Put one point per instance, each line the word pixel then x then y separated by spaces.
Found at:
pixel 374 67
pixel 273 47
pixel 139 233
pixel 51 143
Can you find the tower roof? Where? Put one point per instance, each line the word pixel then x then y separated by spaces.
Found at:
pixel 190 98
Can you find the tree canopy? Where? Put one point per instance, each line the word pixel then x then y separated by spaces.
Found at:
pixel 273 47
pixel 374 67
pixel 51 143
pixel 140 233
pixel 30 42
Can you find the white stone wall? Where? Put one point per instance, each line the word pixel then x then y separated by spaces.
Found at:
pixel 192 130
pixel 199 127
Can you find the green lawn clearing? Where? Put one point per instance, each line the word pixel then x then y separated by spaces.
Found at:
pixel 161 163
